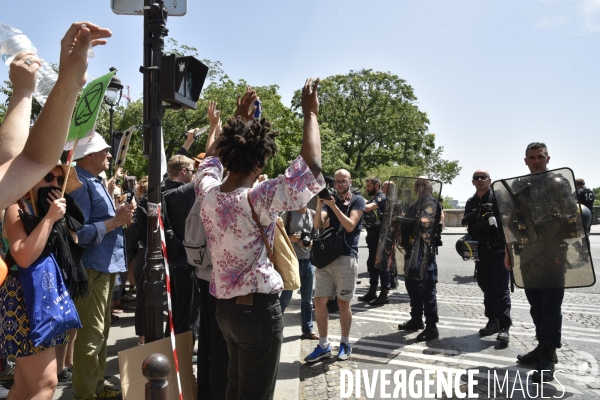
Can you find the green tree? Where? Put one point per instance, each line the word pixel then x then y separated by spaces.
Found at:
pixel 373 119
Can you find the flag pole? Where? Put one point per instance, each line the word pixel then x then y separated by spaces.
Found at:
pixel 69 169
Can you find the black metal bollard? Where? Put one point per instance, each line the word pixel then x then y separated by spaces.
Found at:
pixel 156 367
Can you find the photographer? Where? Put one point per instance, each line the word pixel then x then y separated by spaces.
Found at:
pixel 299 226
pixel 342 209
pixel 492 277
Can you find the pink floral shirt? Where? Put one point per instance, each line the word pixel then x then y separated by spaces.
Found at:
pixel 240 261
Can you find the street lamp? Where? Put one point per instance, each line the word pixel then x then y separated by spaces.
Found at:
pixel 112 98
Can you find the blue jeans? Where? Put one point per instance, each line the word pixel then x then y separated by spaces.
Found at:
pixel 307 275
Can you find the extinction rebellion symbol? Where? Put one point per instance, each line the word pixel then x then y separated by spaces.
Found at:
pixel 88 105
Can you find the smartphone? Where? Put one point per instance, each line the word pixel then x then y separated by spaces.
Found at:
pixel 258 111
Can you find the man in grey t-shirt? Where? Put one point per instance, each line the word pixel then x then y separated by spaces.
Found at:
pixel 295 223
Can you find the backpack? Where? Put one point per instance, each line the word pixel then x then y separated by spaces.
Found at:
pixel 196 246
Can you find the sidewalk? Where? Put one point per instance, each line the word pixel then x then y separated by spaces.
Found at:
pixel 122 337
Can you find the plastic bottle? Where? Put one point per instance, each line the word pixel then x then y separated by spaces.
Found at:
pixel 13 42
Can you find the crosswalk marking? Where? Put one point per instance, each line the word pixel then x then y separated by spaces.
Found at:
pixel 473 322
pixel 405 363
pixel 449 326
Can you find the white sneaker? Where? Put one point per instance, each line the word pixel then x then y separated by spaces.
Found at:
pixel 3 392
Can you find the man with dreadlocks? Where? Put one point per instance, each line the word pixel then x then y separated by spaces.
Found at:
pixel 243 278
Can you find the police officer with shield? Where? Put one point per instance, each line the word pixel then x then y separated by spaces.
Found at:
pixel 374 210
pixel 545 303
pixel 419 259
pixel 492 277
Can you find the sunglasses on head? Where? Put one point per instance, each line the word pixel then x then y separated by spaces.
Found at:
pixel 50 178
pixel 480 177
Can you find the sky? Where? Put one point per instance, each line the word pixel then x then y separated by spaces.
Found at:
pixel 491 75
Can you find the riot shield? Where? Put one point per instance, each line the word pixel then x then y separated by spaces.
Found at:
pixel 544 232
pixel 409 226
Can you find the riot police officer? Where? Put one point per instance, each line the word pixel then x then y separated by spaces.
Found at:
pixel 421 282
pixel 492 277
pixel 374 210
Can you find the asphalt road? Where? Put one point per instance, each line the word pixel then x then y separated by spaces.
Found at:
pixel 452 269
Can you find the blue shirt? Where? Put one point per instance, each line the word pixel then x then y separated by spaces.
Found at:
pixel 105 252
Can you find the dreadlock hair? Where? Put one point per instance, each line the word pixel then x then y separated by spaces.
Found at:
pixel 246 145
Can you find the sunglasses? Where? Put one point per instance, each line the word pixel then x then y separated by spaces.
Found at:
pixel 480 177
pixel 50 178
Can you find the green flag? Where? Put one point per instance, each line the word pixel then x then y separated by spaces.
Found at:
pixel 86 110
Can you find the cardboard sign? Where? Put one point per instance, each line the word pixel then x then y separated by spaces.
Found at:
pixel 133 382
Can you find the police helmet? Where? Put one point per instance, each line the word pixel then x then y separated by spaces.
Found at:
pixel 467 248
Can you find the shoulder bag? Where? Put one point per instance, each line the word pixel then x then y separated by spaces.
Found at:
pixel 282 255
pixel 328 245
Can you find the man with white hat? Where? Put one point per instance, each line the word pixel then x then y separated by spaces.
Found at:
pixel 103 259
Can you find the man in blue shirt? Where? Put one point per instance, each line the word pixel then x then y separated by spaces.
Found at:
pixel 339 277
pixel 104 257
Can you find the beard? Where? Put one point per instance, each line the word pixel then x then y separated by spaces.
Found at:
pixel 372 192
pixel 343 192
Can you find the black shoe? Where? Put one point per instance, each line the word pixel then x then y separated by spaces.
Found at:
pixel 411 325
pixel 371 294
pixel 64 377
pixel 545 367
pixel 490 328
pixel 503 335
pixel 533 357
pixel 430 333
pixel 381 299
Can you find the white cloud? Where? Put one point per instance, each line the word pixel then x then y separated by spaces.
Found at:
pixel 590 10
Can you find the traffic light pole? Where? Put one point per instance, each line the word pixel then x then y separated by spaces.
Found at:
pixel 155 19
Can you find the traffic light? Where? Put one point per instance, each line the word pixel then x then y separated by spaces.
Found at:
pixel 181 80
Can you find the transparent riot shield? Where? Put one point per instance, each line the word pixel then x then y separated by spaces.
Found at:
pixel 545 236
pixel 409 226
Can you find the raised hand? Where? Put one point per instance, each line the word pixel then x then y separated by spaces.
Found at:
pixel 58 206
pixel 74 51
pixel 22 73
pixel 244 104
pixel 310 101
pixel 214 115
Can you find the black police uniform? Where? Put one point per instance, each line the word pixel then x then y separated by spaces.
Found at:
pixel 536 261
pixel 423 293
pixel 492 275
pixel 373 232
pixel 586 197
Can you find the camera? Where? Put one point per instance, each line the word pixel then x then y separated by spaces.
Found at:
pixel 305 237
pixel 329 192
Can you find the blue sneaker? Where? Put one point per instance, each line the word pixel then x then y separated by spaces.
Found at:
pixel 345 351
pixel 318 354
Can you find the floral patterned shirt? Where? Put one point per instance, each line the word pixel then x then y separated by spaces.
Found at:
pixel 240 261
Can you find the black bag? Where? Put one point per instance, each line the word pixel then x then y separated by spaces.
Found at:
pixel 327 247
pixel 175 247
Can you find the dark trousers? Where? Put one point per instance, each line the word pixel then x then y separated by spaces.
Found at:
pixel 213 357
pixel 374 273
pixel 140 297
pixel 493 278
pixel 254 334
pixel 546 313
pixel 185 300
pixel 422 295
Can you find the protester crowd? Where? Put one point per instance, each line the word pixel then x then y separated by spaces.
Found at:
pixel 92 233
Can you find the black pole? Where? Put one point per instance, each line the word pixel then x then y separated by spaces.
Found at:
pixel 111 112
pixel 155 19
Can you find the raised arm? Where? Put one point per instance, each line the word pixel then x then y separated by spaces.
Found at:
pixel 311 137
pixel 15 128
pixel 47 137
pixel 214 132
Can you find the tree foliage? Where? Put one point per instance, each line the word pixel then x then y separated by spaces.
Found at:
pixel 373 120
